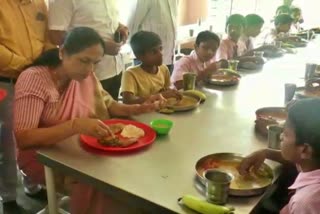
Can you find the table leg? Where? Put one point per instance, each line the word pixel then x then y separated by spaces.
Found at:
pixel 51 191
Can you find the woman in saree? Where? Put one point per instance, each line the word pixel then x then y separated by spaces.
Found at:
pixel 57 97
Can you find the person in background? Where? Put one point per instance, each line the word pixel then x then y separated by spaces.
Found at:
pixel 230 47
pixel 300 145
pixel 151 76
pixel 282 25
pixel 102 16
pixel 23 37
pixel 59 96
pixel 159 17
pixel 296 15
pixel 253 26
pixel 201 61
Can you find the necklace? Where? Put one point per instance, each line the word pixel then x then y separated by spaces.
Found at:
pixel 61 85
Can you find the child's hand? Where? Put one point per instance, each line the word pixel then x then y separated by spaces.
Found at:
pixel 158 100
pixel 171 93
pixel 254 160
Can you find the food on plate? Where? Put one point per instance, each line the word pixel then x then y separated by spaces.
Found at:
pixel 124 135
pixel 131 131
pixel 263 177
pixel 185 101
pixel 224 77
pixel 118 141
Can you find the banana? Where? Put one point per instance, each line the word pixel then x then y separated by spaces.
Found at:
pixel 196 93
pixel 203 206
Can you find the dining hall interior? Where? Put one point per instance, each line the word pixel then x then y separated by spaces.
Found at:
pixel 159 106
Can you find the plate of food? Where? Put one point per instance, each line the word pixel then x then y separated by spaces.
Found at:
pixel 129 135
pixel 188 102
pixel 269 116
pixel 254 183
pixel 250 66
pixel 225 77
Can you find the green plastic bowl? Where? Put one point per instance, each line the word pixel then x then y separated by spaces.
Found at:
pixel 162 126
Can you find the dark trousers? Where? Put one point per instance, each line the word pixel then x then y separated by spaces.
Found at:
pixel 112 85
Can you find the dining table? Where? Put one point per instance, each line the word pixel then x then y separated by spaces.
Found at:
pixel 153 178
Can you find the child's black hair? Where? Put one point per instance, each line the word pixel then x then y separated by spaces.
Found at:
pixel 304 119
pixel 254 20
pixel 205 36
pixel 283 19
pixel 143 41
pixel 236 19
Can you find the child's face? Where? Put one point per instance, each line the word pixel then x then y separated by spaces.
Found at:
pixel 206 50
pixel 290 150
pixel 284 28
pixel 152 57
pixel 234 31
pixel 254 31
pixel 296 16
pixel 288 145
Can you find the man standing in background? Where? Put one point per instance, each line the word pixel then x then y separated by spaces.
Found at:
pixel 159 17
pixel 102 16
pixel 23 37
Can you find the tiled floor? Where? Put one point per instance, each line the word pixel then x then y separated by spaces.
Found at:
pixel 26 204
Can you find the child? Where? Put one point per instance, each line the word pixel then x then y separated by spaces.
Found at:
pixel 282 25
pixel 231 47
pixel 300 144
pixel 253 25
pixel 151 76
pixel 297 20
pixel 201 61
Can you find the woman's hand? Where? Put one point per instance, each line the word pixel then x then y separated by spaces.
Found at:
pixel 93 127
pixel 156 99
pixel 254 160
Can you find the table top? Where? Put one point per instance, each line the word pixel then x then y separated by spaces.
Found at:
pixel 157 176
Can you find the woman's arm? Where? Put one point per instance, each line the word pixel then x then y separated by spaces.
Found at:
pixel 29 138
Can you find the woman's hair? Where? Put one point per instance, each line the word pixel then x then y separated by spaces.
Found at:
pixel 283 19
pixel 304 119
pixel 236 19
pixel 75 41
pixel 143 41
pixel 205 36
pixel 253 20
